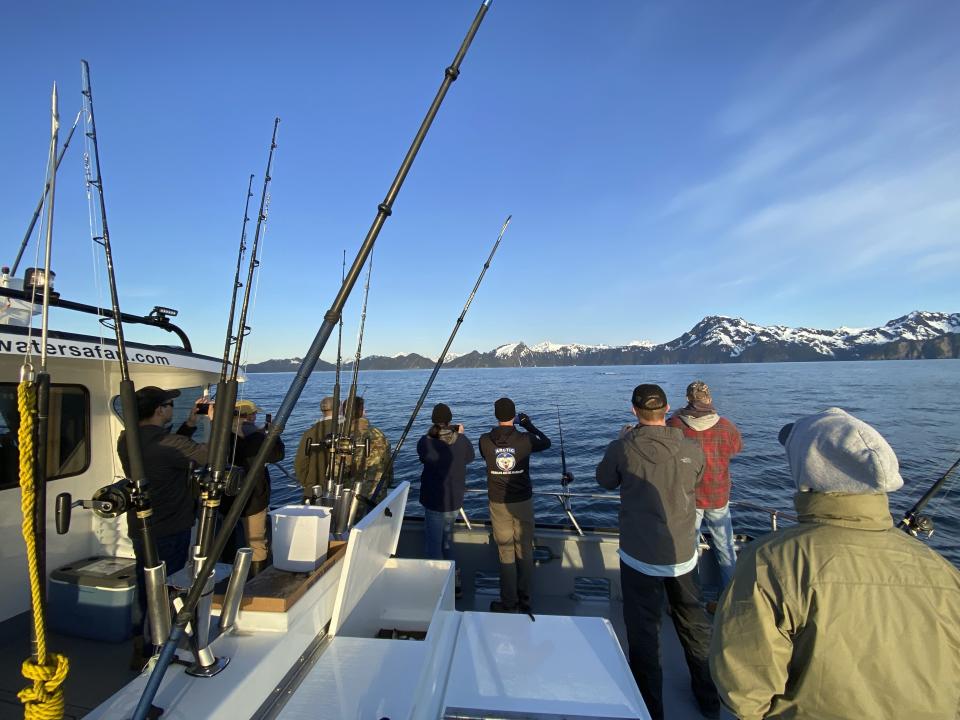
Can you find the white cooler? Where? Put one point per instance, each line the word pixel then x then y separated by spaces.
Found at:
pixel 301 534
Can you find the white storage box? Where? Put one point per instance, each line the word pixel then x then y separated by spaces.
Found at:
pixel 301 534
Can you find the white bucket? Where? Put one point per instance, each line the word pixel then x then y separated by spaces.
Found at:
pixel 301 534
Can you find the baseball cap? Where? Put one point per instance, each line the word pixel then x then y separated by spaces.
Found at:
pixel 151 397
pixel 649 397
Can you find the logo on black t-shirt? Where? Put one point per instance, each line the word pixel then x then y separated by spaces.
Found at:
pixel 506 459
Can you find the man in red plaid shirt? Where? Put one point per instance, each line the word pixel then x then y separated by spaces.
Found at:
pixel 720 441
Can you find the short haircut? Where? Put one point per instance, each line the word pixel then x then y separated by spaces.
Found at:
pixel 651 415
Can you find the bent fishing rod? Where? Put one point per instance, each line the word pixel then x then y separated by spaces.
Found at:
pixel 43 196
pixel 446 348
pixel 136 491
pixel 915 523
pixel 443 356
pixel 330 319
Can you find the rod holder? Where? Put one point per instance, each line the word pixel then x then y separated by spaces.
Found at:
pixel 206 664
pixel 234 594
pixel 158 602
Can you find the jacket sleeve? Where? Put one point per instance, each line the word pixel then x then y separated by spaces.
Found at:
pixel 736 441
pixel 469 454
pixel 538 441
pixel 751 648
pixel 425 451
pixel 186 448
pixel 608 472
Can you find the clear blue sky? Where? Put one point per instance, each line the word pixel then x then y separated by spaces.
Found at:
pixel 794 163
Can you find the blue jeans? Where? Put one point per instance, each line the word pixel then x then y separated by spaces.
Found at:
pixel 721 538
pixel 438 534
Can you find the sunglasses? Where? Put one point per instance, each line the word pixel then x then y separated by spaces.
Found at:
pixel 167 404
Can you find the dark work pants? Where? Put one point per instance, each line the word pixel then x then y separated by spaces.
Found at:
pixel 642 613
pixel 171 549
pixel 513 529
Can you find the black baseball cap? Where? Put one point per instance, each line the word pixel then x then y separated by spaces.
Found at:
pixel 151 397
pixel 649 397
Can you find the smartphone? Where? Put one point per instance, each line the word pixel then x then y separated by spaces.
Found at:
pixel 203 408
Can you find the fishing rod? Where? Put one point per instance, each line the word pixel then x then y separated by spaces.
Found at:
pixel 330 319
pixel 565 479
pixel 347 447
pixel 43 195
pixel 330 443
pixel 136 491
pixel 214 479
pixel 221 430
pixel 446 349
pixel 236 283
pixel 915 523
pixel 41 405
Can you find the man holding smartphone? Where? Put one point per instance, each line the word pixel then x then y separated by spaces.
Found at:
pixel 507 452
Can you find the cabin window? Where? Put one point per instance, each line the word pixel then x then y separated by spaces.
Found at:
pixel 68 434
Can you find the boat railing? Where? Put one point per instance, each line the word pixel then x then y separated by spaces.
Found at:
pixel 564 499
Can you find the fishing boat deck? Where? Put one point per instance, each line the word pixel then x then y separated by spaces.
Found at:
pixel 97 669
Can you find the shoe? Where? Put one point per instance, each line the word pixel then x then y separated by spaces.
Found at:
pixel 457 586
pixel 526 607
pixel 257 567
pixel 498 607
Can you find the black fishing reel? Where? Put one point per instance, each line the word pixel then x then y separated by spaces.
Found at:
pixel 110 501
pixel 918 525
pixel 228 484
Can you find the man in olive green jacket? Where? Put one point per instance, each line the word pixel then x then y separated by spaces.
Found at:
pixel 843 616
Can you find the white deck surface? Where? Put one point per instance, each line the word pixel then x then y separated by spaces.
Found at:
pixel 509 665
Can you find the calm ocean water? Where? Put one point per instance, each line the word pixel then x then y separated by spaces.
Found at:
pixel 909 402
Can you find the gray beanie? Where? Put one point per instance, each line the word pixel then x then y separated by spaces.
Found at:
pixel 834 452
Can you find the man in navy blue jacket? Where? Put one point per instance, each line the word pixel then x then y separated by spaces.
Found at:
pixel 444 452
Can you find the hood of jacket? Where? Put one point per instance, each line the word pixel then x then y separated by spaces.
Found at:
pixel 654 443
pixel 701 423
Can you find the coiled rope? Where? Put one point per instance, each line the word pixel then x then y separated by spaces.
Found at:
pixel 44 700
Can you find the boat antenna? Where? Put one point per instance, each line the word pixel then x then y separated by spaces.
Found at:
pixel 43 195
pixel 236 283
pixel 136 491
pixel 446 349
pixel 330 319
pixel 915 523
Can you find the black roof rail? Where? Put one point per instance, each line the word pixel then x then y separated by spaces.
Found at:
pixel 159 317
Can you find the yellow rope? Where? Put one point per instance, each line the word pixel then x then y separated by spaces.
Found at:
pixel 43 701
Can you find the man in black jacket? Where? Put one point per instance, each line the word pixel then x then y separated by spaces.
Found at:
pixel 657 470
pixel 167 461
pixel 507 451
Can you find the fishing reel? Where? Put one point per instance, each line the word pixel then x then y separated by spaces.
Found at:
pixel 227 484
pixel 918 525
pixel 108 502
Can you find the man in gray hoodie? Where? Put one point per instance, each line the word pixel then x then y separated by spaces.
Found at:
pixel 657 471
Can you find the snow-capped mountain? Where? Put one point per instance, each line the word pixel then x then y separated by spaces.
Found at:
pixel 717 339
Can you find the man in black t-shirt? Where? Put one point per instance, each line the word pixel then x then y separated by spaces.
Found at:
pixel 507 451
